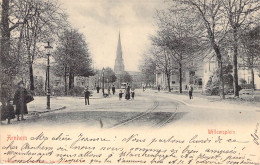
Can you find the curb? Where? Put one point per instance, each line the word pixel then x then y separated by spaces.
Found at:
pixel 35 113
pixel 208 107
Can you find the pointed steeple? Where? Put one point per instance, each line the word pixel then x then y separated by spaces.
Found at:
pixel 119 48
pixel 119 67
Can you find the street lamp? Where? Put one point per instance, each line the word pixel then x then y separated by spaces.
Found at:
pixel 103 89
pixel 48 52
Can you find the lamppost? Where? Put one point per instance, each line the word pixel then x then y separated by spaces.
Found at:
pixel 48 51
pixel 103 89
pixel 99 81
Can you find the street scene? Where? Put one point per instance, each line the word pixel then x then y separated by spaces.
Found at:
pixel 111 64
pixel 149 109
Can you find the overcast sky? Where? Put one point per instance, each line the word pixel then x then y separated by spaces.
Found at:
pixel 101 20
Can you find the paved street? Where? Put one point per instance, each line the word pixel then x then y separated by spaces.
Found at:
pixel 149 109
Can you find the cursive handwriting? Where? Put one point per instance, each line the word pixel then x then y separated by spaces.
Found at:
pixel 60 148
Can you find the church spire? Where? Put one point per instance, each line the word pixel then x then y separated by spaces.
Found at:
pixel 119 48
pixel 119 67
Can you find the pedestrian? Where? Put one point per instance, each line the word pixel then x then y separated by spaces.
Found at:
pixel 133 94
pixel 98 88
pixel 113 89
pixel 186 87
pixel 20 101
pixel 127 95
pixel 120 94
pixel 108 90
pixel 159 88
pixel 87 94
pixel 143 88
pixel 190 89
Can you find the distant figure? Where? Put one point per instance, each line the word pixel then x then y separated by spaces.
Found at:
pixel 159 88
pixel 186 87
pixel 133 94
pixel 120 94
pixel 98 88
pixel 143 88
pixel 20 97
pixel 87 94
pixel 113 89
pixel 127 94
pixel 190 89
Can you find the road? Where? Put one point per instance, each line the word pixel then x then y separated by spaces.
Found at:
pixel 149 109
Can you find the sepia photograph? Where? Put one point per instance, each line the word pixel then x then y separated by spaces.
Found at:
pixel 130 82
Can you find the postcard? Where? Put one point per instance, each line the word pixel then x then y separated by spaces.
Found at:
pixel 130 82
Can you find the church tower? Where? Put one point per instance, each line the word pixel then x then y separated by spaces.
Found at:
pixel 119 67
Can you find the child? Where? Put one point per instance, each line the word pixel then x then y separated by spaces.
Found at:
pixel 133 94
pixel 120 95
pixel 10 111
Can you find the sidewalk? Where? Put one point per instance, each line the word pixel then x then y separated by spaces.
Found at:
pixel 38 106
pixel 213 102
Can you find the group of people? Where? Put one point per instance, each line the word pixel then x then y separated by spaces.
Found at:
pixel 189 88
pixel 129 93
pixel 20 101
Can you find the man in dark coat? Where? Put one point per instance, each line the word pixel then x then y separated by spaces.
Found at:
pixel 98 88
pixel 190 89
pixel 113 89
pixel 20 101
pixel 87 94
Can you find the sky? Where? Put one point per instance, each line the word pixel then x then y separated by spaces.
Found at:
pixel 101 20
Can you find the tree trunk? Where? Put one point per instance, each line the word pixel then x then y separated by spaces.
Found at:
pixel 31 77
pixel 65 81
pixel 235 72
pixel 220 74
pixel 180 78
pixel 4 54
pixel 71 80
pixel 168 81
pixel 253 78
pixel 5 41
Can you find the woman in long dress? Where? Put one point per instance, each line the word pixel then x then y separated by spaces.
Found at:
pixel 20 101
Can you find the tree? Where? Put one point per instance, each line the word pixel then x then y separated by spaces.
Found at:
pixel 240 14
pixel 7 65
pixel 72 57
pixel 147 67
pixel 24 26
pixel 213 27
pixel 125 77
pixel 175 34
pixel 109 75
pixel 250 52
pixel 46 19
